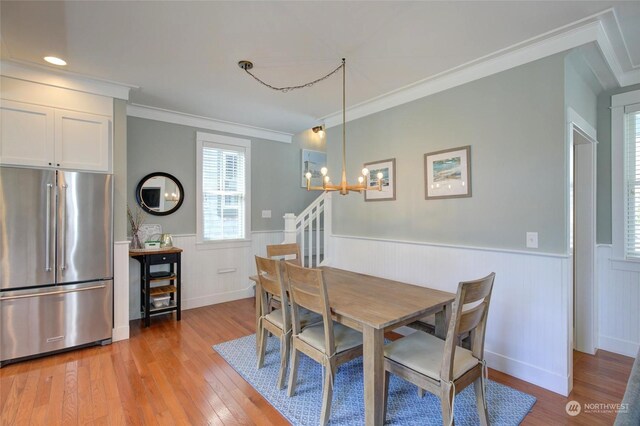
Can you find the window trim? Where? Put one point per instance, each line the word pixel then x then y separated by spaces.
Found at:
pixel 203 138
pixel 618 220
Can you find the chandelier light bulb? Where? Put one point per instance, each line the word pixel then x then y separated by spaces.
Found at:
pixel 307 175
pixel 326 179
pixel 324 171
pixel 365 171
pixel 360 179
pixel 380 175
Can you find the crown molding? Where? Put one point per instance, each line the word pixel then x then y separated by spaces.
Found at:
pixel 158 114
pixel 64 79
pixel 579 33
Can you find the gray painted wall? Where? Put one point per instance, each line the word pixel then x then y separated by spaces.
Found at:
pixel 120 224
pixel 604 162
pixel 581 88
pixel 275 168
pixel 514 122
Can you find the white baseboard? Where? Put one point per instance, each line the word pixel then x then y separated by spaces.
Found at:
pixel 619 346
pixel 213 299
pixel 527 372
pixel 120 333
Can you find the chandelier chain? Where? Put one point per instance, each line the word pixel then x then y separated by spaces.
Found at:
pixel 301 86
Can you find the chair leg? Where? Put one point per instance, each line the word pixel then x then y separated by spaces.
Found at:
pixel 293 371
pixel 446 398
pixel 262 346
pixel 480 402
pixel 284 361
pixel 385 401
pixel 420 392
pixel 327 393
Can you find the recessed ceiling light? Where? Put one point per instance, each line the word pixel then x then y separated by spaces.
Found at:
pixel 55 61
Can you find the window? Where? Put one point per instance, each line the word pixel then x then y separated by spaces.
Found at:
pixel 632 180
pixel 224 170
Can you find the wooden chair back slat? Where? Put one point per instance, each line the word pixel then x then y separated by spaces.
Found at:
pixel 470 319
pixel 476 290
pixel 289 252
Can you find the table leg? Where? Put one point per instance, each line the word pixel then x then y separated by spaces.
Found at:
pixel 442 321
pixel 258 313
pixel 373 340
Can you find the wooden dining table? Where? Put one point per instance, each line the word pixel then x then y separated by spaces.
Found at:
pixel 374 305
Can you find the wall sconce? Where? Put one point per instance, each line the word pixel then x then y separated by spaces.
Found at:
pixel 319 130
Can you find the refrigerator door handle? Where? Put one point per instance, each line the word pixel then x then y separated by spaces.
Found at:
pixel 63 228
pixel 47 232
pixel 52 293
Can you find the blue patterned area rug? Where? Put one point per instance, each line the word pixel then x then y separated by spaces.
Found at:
pixel 507 406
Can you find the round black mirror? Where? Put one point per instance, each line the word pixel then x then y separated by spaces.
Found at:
pixel 159 194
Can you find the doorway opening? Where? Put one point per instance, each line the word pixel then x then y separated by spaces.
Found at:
pixel 582 240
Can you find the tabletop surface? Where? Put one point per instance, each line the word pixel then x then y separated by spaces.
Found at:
pixel 142 252
pixel 378 302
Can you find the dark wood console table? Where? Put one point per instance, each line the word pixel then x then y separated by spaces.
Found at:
pixel 147 258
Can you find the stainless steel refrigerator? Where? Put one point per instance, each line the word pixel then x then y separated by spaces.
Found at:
pixel 56 261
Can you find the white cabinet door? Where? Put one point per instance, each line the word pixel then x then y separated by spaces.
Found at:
pixel 82 141
pixel 26 134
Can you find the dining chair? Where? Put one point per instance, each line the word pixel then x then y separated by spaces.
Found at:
pixel 290 252
pixel 328 343
pixel 441 366
pixel 278 321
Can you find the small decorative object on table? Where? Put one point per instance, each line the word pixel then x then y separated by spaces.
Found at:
pixel 150 245
pixel 135 220
pixel 166 241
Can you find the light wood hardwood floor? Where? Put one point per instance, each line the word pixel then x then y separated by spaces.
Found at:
pixel 168 374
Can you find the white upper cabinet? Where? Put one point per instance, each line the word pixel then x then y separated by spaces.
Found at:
pixel 81 141
pixel 33 135
pixel 26 134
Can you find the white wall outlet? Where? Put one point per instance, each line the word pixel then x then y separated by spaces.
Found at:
pixel 532 239
pixel 266 214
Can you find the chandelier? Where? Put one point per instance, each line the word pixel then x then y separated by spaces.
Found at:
pixel 343 187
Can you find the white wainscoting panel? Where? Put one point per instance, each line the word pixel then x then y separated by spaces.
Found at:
pixel 528 328
pixel 210 275
pixel 120 290
pixel 619 313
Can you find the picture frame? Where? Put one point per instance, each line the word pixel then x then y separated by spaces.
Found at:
pixel 388 169
pixel 312 161
pixel 447 173
pixel 148 230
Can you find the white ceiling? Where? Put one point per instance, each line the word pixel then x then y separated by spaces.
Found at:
pixel 183 55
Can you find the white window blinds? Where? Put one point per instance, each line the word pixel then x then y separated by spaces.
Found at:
pixel 632 180
pixel 223 192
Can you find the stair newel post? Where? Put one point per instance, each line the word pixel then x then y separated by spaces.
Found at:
pixel 289 228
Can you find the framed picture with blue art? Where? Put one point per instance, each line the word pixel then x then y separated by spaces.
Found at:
pixel 447 173
pixel 388 170
pixel 312 161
